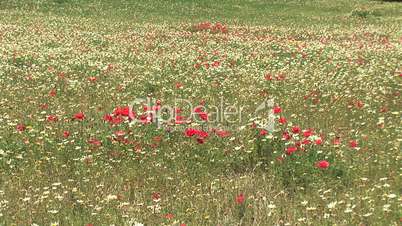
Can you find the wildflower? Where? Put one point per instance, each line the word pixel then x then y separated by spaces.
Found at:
pixel 263 132
pixel 291 150
pixel 201 133
pixel 286 136
pixel 216 64
pixel 268 77
pixel 271 206
pixel 169 216
pixel 353 143
pixel 108 118
pixel 79 116
pixel 359 104
pixel 117 120
pixel 179 85
pixel 51 118
pixel 323 164
pixel 318 141
pixel 277 110
pixel 332 205
pixel 282 120
pixel 306 141
pixel 295 129
pixel 307 133
pixel 189 132
pixel 156 196
pixel 95 142
pixel 222 133
pixel 203 115
pixel 119 133
pixel 66 134
pixel 240 199
pixel 179 119
pixel 52 93
pixel 21 127
pixel 124 111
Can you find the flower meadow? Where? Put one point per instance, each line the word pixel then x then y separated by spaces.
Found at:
pixel 106 120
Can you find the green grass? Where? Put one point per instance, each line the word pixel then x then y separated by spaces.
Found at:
pixel 283 13
pixel 341 68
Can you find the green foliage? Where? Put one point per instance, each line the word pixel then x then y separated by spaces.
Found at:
pixel 361 12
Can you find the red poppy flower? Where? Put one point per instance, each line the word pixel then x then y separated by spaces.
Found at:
pixel 286 136
pixel 66 134
pixel 222 133
pixel 263 132
pixel 52 93
pixel 20 127
pixel 120 133
pixel 240 199
pixel 52 118
pixel 318 141
pixel 280 77
pixel 201 133
pixel 179 85
pixel 189 132
pixel 290 150
pixel 156 196
pixel 353 144
pixel 203 115
pixel 95 142
pixel 295 129
pixel 277 110
pixel 169 216
pixel 123 111
pixel 359 104
pixel 282 120
pixel 216 64
pixel 307 133
pixel 323 164
pixel 268 77
pixel 79 116
pixel 146 118
pixel 306 141
pixel 179 119
pixel 108 117
pixel 117 120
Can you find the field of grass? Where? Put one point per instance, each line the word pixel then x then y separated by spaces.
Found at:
pixel 135 112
